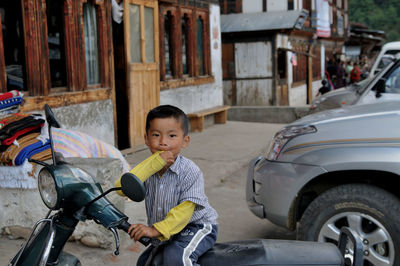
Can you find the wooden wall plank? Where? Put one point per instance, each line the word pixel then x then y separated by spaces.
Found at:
pixel 3 77
pixel 65 99
pixel 36 49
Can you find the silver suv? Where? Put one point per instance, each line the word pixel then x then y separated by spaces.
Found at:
pixel 385 86
pixel 332 169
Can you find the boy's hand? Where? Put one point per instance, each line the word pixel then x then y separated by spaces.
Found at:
pixel 168 157
pixel 137 231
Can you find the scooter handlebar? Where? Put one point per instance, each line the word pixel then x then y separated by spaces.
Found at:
pixel 124 225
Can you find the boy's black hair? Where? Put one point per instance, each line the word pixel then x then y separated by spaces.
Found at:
pixel 166 111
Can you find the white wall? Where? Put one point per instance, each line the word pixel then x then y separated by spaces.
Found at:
pixel 276 5
pixel 298 95
pixel 94 118
pixel 195 98
pixel 252 6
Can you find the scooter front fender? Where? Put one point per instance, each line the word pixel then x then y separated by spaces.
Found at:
pixel 40 248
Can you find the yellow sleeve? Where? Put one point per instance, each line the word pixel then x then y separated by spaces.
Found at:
pixel 145 169
pixel 176 219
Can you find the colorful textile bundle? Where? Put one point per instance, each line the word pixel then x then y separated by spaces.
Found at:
pixel 17 172
pixel 10 102
pixel 76 144
pixel 16 127
pixel 21 139
pixel 32 145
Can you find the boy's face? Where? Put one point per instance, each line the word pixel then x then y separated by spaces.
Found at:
pixel 166 134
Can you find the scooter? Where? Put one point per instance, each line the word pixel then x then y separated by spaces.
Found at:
pixel 75 196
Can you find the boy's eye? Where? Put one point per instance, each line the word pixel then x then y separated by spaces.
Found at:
pixel 155 134
pixel 172 135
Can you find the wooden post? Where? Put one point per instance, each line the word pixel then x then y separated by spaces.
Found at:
pixel 309 79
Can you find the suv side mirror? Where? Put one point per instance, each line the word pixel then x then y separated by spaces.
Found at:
pixel 380 87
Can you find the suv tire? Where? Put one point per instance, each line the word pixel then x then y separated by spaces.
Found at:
pixel 371 211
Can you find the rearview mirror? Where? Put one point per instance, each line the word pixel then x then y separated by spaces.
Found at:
pixel 132 187
pixel 380 87
pixel 50 117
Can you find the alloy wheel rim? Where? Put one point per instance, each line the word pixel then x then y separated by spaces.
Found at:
pixel 378 246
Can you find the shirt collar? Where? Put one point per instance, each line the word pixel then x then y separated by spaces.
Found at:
pixel 175 166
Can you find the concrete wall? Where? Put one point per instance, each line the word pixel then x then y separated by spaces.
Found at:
pixel 298 95
pixel 21 208
pixel 195 98
pixel 95 119
pixel 267 114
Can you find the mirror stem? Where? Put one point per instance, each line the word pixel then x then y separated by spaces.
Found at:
pixel 52 146
pixel 102 195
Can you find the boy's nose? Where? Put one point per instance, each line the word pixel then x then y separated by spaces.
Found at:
pixel 163 142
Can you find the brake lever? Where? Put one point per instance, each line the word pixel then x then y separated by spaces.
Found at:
pixel 115 233
pixel 124 225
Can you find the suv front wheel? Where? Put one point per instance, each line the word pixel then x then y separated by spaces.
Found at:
pixel 370 211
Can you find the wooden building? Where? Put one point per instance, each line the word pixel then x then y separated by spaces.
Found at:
pixel 273 52
pixel 102 77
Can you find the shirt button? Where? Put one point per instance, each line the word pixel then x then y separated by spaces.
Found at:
pixel 161 186
pixel 159 208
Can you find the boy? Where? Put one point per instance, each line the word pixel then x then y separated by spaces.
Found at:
pixel 177 209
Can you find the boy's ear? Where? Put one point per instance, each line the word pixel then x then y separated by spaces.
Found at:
pixel 146 141
pixel 186 140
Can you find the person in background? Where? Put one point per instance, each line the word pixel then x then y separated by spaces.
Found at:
pixel 331 69
pixel 324 89
pixel 340 75
pixel 348 68
pixel 355 74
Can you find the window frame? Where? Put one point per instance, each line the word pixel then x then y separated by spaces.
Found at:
pixel 38 80
pixel 103 44
pixel 178 79
pixel 164 10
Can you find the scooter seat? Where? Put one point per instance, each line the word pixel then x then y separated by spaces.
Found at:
pixel 272 252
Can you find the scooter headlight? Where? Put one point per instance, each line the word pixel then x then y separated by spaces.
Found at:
pixel 48 189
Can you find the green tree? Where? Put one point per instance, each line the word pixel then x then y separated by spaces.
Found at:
pixel 377 15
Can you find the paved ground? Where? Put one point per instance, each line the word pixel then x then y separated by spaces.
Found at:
pixel 222 152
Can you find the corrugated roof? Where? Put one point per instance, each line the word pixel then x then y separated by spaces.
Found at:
pixel 272 20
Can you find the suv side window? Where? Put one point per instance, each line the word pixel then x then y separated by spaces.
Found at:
pixel 393 82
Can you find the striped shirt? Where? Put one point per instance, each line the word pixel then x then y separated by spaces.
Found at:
pixel 183 181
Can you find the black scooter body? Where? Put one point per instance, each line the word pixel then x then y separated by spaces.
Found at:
pixel 272 252
pixel 268 252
